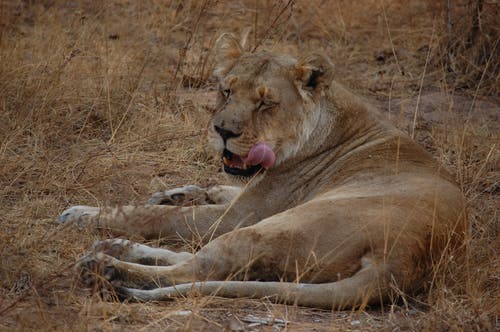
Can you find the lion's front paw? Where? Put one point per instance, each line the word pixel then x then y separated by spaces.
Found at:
pixel 185 196
pixel 102 271
pixel 117 248
pixel 80 215
pixel 97 270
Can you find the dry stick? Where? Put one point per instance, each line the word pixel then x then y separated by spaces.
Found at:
pixel 204 74
pixel 422 81
pixel 199 76
pixel 54 78
pixel 442 257
pixel 473 103
pixel 1 22
pixel 390 38
pixel 132 96
pixel 86 163
pixel 448 16
pixel 166 137
pixel 481 169
pixel 475 23
pixel 255 23
pixel 272 25
pixel 183 50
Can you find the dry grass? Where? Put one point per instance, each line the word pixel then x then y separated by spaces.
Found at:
pixel 105 103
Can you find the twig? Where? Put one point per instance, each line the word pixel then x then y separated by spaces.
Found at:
pixel 132 96
pixel 1 22
pixel 185 48
pixel 422 82
pixel 290 3
pixel 390 39
pixel 473 103
pixel 448 16
pixel 476 23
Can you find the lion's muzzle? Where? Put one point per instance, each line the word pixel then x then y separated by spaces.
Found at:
pixel 260 156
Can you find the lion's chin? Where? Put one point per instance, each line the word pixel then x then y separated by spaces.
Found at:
pixel 234 165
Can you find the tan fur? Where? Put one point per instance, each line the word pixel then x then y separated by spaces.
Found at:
pixel 352 210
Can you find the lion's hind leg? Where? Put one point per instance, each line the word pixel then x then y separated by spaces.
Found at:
pixel 123 262
pixel 98 266
pixel 367 286
pixel 133 252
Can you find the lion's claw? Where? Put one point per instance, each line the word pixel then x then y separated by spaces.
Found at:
pixel 95 269
pixel 184 196
pixel 114 248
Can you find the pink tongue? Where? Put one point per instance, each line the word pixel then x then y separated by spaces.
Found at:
pixel 260 154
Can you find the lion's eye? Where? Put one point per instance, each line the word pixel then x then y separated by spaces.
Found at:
pixel 226 93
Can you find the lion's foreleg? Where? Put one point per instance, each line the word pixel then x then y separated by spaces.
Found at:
pixel 194 195
pixel 153 221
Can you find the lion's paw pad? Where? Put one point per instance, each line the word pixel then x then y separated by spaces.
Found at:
pixel 96 269
pixel 115 247
pixel 184 196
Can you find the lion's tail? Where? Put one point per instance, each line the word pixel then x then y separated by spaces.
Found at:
pixel 366 286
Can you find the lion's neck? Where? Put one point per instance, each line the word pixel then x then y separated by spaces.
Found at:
pixel 346 126
pixel 345 123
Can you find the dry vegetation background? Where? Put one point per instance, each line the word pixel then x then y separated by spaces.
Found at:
pixel 105 102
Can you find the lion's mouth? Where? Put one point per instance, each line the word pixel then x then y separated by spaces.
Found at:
pixel 234 165
pixel 260 156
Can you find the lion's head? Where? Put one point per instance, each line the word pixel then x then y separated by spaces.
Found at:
pixel 268 106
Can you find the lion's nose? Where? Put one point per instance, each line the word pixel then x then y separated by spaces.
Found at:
pixel 225 134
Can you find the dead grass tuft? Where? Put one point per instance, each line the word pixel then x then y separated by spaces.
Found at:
pixel 105 102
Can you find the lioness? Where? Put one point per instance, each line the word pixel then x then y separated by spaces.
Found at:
pixel 339 208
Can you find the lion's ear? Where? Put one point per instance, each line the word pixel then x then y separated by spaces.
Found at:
pixel 314 72
pixel 227 50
